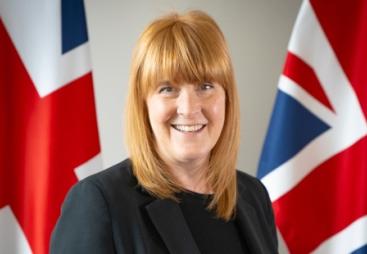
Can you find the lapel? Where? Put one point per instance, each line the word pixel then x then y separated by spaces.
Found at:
pixel 247 222
pixel 178 239
pixel 169 221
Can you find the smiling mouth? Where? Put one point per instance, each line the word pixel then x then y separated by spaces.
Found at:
pixel 188 128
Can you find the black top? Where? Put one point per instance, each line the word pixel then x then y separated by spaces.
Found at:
pixel 212 235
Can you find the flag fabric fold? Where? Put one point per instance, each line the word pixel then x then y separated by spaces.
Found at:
pixel 314 159
pixel 48 126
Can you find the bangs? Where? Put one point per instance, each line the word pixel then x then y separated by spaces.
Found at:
pixel 179 54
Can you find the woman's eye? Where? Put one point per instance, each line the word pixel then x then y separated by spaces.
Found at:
pixel 166 89
pixel 206 86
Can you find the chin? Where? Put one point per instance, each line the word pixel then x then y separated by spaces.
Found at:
pixel 192 156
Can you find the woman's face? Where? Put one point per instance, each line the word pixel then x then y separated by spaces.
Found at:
pixel 186 119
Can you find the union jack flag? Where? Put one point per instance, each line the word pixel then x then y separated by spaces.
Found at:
pixel 314 160
pixel 48 127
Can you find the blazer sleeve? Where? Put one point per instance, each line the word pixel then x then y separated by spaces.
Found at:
pixel 85 224
pixel 270 215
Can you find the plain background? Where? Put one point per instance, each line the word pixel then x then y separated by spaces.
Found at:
pixel 257 32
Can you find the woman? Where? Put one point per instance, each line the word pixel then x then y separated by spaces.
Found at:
pixel 179 192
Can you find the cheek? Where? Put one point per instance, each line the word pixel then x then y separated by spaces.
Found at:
pixel 217 111
pixel 159 112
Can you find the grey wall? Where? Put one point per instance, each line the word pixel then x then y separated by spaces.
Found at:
pixel 257 32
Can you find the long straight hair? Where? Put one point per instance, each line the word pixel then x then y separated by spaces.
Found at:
pixel 182 48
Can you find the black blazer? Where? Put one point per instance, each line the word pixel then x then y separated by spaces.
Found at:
pixel 110 213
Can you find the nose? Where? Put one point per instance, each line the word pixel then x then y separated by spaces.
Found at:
pixel 188 102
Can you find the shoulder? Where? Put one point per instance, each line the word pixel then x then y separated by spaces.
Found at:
pixel 86 219
pixel 247 181
pixel 251 188
pixel 115 183
pixel 120 174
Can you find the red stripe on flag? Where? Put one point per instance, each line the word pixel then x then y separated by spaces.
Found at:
pixel 42 141
pixel 345 25
pixel 301 73
pixel 326 201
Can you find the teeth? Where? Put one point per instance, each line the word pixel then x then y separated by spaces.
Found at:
pixel 188 128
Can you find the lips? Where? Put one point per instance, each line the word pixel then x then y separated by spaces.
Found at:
pixel 188 128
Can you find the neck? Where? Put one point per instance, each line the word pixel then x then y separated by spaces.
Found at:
pixel 191 175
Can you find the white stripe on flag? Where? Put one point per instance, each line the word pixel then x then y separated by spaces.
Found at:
pixel 346 241
pixel 12 239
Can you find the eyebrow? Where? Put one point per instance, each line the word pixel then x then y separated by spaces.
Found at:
pixel 165 82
